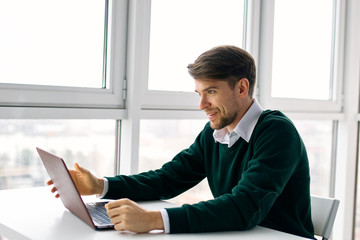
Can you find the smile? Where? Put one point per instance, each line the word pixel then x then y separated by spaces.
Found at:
pixel 211 115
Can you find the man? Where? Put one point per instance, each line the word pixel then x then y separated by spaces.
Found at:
pixel 255 162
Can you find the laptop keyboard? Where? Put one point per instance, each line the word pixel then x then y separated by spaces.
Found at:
pixel 98 213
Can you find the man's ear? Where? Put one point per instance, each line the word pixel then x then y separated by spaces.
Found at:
pixel 243 87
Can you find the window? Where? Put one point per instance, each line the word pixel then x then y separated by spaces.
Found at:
pixel 302 53
pixel 191 27
pixel 187 32
pixel 60 53
pixel 161 140
pixel 146 40
pixel 299 72
pixel 62 85
pixel 87 142
pixel 301 56
pixel 317 136
pixel 46 48
pixel 308 69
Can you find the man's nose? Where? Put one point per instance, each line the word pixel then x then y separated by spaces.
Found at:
pixel 204 103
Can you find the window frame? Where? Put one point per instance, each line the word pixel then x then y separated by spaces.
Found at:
pixel 163 100
pixel 22 95
pixel 154 99
pixel 265 65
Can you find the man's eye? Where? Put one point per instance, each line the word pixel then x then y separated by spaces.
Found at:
pixel 211 91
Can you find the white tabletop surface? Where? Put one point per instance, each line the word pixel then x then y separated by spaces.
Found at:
pixel 34 213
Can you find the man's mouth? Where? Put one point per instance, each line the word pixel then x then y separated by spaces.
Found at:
pixel 211 116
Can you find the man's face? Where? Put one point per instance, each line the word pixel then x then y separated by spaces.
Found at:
pixel 221 104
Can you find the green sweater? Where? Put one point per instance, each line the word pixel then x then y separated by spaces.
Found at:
pixel 264 182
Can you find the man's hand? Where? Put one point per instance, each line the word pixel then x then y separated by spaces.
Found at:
pixel 85 182
pixel 128 215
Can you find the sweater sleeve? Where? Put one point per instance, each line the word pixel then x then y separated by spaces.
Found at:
pixel 276 151
pixel 184 171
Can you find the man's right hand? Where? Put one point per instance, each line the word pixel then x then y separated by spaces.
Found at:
pixel 85 182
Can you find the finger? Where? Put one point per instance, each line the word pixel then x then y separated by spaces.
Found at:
pixel 112 204
pixel 115 220
pixel 118 211
pixel 118 203
pixel 77 167
pixel 114 212
pixel 80 169
pixel 119 227
pixel 53 189
pixel 50 182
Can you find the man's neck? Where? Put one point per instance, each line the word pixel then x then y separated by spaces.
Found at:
pixel 245 108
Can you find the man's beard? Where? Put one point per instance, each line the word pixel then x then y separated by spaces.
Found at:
pixel 224 121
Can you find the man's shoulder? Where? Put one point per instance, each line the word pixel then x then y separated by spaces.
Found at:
pixel 276 129
pixel 273 116
pixel 274 120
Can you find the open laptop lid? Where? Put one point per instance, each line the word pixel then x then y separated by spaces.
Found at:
pixel 65 186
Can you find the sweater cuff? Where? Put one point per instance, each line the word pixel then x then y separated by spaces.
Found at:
pixel 178 220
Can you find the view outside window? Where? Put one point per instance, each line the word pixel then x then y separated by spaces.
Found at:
pixel 58 43
pixel 91 143
pixel 317 137
pixel 181 30
pixel 161 140
pixel 302 52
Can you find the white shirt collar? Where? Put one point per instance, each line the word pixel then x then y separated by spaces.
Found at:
pixel 243 129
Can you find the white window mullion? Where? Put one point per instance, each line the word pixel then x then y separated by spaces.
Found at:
pixel 265 52
pixel 136 68
pixel 252 24
pixel 348 142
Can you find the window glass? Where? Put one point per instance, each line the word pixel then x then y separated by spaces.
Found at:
pixel 302 61
pixel 183 29
pixel 91 143
pixel 357 207
pixel 57 43
pixel 161 140
pixel 317 137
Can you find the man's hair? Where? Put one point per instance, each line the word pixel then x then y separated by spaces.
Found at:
pixel 225 63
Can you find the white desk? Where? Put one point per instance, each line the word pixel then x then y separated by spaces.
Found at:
pixel 34 213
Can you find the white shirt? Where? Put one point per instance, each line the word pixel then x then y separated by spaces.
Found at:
pixel 243 130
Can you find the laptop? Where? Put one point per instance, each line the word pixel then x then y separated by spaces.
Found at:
pixel 94 214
